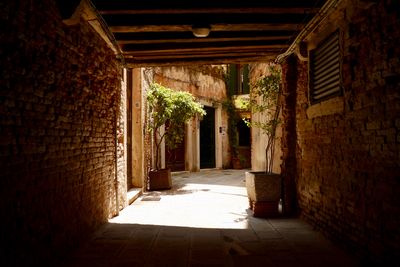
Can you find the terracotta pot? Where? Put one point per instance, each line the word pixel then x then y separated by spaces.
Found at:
pixel 160 179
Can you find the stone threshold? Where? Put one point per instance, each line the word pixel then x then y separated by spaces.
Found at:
pixel 133 194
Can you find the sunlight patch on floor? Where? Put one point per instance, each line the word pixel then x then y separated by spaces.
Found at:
pixel 192 204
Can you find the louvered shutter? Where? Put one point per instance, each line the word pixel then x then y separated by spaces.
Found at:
pixel 325 71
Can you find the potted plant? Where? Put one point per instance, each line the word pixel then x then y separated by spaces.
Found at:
pixel 264 188
pixel 173 109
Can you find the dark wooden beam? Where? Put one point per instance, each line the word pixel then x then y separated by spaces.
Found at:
pixel 204 4
pixel 205 40
pixel 237 10
pixel 204 46
pixel 196 61
pixel 201 19
pixel 214 27
pixel 159 32
pixel 162 50
pixel 216 54
pixel 188 37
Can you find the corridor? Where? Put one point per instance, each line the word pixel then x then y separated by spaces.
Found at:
pixel 204 221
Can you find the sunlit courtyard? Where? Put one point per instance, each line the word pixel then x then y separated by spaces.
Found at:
pixel 207 199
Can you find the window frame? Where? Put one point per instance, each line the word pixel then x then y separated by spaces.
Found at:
pixel 312 68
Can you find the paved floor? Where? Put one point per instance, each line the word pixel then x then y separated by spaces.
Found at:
pixel 204 221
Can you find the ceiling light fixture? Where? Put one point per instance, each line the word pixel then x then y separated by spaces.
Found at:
pixel 201 31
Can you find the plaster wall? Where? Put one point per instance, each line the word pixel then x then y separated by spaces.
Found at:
pixel 258 138
pixel 137 130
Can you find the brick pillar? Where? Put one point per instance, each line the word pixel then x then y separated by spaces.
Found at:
pixel 289 136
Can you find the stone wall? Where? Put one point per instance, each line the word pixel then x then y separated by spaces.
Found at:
pixel 59 93
pixel 121 184
pixel 207 84
pixel 347 148
pixel 203 82
pixel 147 77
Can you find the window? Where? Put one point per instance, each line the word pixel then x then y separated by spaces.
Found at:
pixel 239 79
pixel 325 69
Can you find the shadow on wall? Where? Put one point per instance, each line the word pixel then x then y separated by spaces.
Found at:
pixel 58 99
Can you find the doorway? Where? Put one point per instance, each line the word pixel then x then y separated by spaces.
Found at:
pixel 207 139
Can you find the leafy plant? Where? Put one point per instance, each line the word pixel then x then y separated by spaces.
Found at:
pixel 242 159
pixel 265 98
pixel 171 108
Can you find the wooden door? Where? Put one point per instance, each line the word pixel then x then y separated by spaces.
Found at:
pixel 207 139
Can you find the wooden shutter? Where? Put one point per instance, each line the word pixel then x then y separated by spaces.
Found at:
pixel 325 70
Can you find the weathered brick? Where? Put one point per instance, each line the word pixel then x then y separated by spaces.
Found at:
pixel 45 142
pixel 353 171
pixel 373 125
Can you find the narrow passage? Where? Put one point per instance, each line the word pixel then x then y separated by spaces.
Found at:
pixel 205 221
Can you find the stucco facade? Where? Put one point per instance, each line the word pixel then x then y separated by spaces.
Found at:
pixel 258 138
pixel 206 83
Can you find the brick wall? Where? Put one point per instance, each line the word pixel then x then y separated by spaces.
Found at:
pixel 290 80
pixel 59 94
pixel 348 148
pixel 121 137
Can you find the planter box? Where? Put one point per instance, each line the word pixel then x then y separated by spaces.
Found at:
pixel 264 192
pixel 160 179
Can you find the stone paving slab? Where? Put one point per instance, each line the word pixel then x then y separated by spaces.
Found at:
pixel 204 220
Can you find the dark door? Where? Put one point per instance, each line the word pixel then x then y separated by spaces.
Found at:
pixel 207 139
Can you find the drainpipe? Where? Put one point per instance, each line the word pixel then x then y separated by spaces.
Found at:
pixel 325 10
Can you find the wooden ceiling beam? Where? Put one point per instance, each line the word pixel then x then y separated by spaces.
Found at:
pixel 186 62
pixel 189 35
pixel 202 19
pixel 202 61
pixel 204 40
pixel 159 32
pixel 233 49
pixel 238 10
pixel 208 46
pixel 204 4
pixel 214 27
pixel 273 48
pixel 210 54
